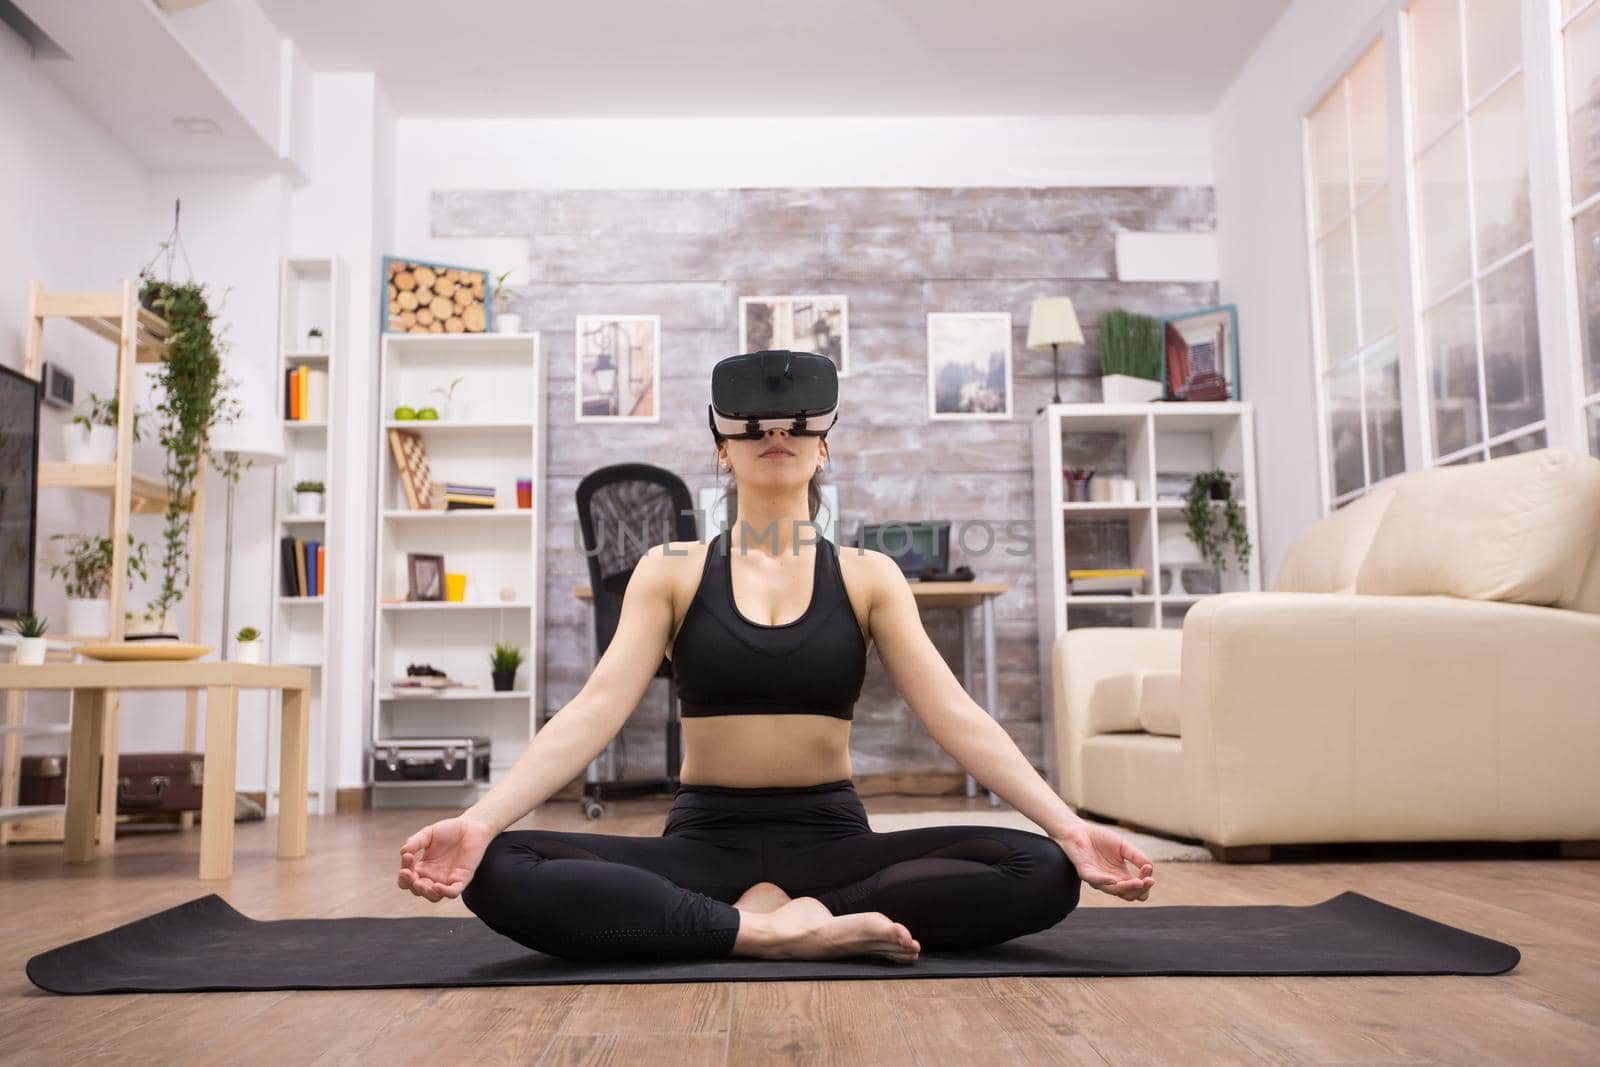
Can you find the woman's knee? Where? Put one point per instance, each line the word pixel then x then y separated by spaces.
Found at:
pixel 1051 885
pixel 491 885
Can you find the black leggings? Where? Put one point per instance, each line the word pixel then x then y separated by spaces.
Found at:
pixel 587 896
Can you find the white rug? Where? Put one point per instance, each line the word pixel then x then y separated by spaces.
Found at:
pixel 1159 849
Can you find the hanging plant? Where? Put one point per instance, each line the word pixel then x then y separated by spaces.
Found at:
pixel 1209 493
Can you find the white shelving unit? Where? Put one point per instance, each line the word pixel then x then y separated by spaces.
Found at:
pixel 492 435
pixel 1160 446
pixel 310 290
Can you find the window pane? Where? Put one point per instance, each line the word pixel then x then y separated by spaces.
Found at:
pixel 1386 451
pixel 1330 173
pixel 1337 268
pixel 1494 43
pixel 1500 174
pixel 1511 347
pixel 1344 426
pixel 1452 353
pixel 1442 204
pixel 1583 100
pixel 1526 443
pixel 1374 246
pixel 1436 61
pixel 1369 121
pixel 1586 229
pixel 1470 457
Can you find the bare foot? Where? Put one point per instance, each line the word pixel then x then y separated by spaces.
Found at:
pixel 762 897
pixel 804 929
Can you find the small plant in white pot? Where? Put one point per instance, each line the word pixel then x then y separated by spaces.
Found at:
pixel 91 434
pixel 315 342
pixel 308 498
pixel 1130 358
pixel 504 321
pixel 86 578
pixel 248 645
pixel 30 631
pixel 449 407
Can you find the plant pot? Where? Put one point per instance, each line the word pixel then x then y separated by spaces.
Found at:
pixel 1126 389
pixel 97 444
pixel 88 617
pixel 307 503
pixel 315 344
pixel 1221 492
pixel 247 651
pixel 30 650
pixel 504 681
pixel 507 322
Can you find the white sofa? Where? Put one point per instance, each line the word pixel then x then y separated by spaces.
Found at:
pixel 1427 667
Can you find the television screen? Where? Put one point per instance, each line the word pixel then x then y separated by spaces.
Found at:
pixel 19 489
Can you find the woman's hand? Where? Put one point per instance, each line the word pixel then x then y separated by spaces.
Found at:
pixel 438 860
pixel 1101 856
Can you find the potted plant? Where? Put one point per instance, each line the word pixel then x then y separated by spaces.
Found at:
pixel 91 434
pixel 450 408
pixel 86 577
pixel 314 340
pixel 308 498
pixel 1209 492
pixel 1130 358
pixel 248 647
pixel 504 321
pixel 503 662
pixel 31 628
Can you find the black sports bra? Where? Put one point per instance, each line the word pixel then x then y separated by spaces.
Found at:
pixel 724 664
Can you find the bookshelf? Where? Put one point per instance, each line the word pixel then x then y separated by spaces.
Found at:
pixel 491 434
pixel 309 293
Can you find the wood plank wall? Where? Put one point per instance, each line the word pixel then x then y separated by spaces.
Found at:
pixel 899 253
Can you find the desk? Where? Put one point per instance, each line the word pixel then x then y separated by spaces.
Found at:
pixel 89 683
pixel 965 597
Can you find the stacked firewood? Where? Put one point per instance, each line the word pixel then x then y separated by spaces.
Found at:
pixel 425 299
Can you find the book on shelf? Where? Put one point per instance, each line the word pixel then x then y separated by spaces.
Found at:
pixel 305 394
pixel 1106 580
pixel 461 497
pixel 304 567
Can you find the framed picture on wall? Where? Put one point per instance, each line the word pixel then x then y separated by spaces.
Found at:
pixel 434 298
pixel 969 364
pixel 1200 355
pixel 817 323
pixel 618 368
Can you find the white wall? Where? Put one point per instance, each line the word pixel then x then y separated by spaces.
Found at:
pixel 1261 241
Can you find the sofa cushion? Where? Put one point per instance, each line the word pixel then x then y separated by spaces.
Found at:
pixel 1327 555
pixel 1160 695
pixel 1520 529
pixel 1114 705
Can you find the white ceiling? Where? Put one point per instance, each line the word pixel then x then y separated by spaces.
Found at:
pixel 718 58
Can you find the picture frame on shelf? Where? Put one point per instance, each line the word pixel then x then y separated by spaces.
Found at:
pixel 806 322
pixel 424 297
pixel 969 364
pixel 425 576
pixel 1200 354
pixel 617 368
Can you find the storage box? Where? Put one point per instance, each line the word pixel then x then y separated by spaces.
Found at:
pixel 425 761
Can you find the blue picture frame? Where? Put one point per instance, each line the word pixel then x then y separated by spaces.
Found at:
pixel 383 300
pixel 1235 390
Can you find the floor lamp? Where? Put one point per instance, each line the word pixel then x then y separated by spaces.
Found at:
pixel 1053 322
pixel 255 441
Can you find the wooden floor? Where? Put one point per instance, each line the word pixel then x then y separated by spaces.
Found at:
pixel 1545 1011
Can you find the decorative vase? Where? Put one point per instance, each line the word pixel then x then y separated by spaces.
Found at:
pixel 1126 389
pixel 504 681
pixel 307 503
pixel 88 617
pixel 97 444
pixel 30 650
pixel 248 651
pixel 507 322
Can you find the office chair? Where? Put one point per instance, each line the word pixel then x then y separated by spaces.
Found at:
pixel 623 510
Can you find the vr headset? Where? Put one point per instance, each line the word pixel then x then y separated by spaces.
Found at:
pixel 773 389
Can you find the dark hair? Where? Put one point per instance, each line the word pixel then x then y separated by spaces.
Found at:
pixel 813 497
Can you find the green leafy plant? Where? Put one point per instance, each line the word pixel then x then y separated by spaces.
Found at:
pixel 501 297
pixel 308 487
pixel 315 331
pixel 1130 344
pixel 1200 507
pixel 97 412
pixel 505 658
pixel 87 568
pixel 248 633
pixel 195 399
pixel 30 625
pixel 449 392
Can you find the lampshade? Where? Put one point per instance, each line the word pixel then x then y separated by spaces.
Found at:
pixel 257 439
pixel 1053 321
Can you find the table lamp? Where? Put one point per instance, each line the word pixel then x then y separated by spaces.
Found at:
pixel 1053 322
pixel 259 440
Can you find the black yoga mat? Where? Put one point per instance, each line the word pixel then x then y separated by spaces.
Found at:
pixel 207 945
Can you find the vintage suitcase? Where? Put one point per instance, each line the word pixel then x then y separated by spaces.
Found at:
pixel 146 781
pixel 430 761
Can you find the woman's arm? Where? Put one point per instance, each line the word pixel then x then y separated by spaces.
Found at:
pixel 575 735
